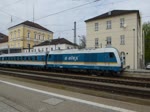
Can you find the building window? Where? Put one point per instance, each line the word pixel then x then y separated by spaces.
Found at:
pixel 46 49
pixel 96 26
pixel 96 42
pixel 51 49
pixel 122 21
pixel 15 35
pixel 39 37
pixel 34 35
pixel 18 33
pixel 11 36
pixel 108 24
pixel 108 40
pixel 28 36
pixel 122 40
pixel 48 37
pixel 43 36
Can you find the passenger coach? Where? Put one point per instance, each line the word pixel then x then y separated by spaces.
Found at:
pixel 23 60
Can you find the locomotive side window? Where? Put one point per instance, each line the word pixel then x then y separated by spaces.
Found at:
pixel 35 58
pixel 42 58
pixel 22 58
pixel 111 55
pixel 49 56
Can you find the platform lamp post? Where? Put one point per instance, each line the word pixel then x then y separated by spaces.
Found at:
pixel 133 48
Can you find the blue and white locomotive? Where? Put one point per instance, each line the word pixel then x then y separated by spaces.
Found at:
pixel 100 60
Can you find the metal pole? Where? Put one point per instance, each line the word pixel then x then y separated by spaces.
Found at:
pixel 133 48
pixel 29 47
pixel 8 49
pixel 33 11
pixel 75 32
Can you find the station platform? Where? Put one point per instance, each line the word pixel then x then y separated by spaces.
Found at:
pixel 137 73
pixel 28 97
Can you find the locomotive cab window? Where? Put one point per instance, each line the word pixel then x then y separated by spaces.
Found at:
pixel 111 55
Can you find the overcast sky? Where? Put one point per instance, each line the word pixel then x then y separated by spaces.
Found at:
pixel 59 15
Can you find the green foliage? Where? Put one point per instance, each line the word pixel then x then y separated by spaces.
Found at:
pixel 146 31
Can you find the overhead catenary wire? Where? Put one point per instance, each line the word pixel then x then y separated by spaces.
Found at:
pixel 67 9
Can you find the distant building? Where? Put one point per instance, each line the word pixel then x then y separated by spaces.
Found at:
pixel 51 45
pixel 121 29
pixel 27 34
pixel 3 44
pixel 4 47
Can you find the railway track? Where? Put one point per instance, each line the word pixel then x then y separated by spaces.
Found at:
pixel 130 81
pixel 115 88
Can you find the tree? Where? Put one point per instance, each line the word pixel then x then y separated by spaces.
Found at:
pixel 82 42
pixel 146 31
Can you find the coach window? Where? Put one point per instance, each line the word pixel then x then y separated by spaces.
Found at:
pixel 49 56
pixel 22 58
pixel 42 58
pixel 35 58
pixel 111 55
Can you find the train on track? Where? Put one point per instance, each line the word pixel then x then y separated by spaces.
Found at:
pixel 99 60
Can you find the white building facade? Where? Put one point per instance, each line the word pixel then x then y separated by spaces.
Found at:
pixel 51 45
pixel 120 29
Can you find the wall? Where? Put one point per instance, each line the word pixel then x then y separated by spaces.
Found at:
pixel 21 40
pixel 131 37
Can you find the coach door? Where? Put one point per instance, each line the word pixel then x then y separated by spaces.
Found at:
pixel 107 59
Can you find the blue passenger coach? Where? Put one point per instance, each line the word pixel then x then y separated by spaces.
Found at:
pixel 23 60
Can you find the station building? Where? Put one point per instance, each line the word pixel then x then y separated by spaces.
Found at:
pixel 27 34
pixel 121 29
